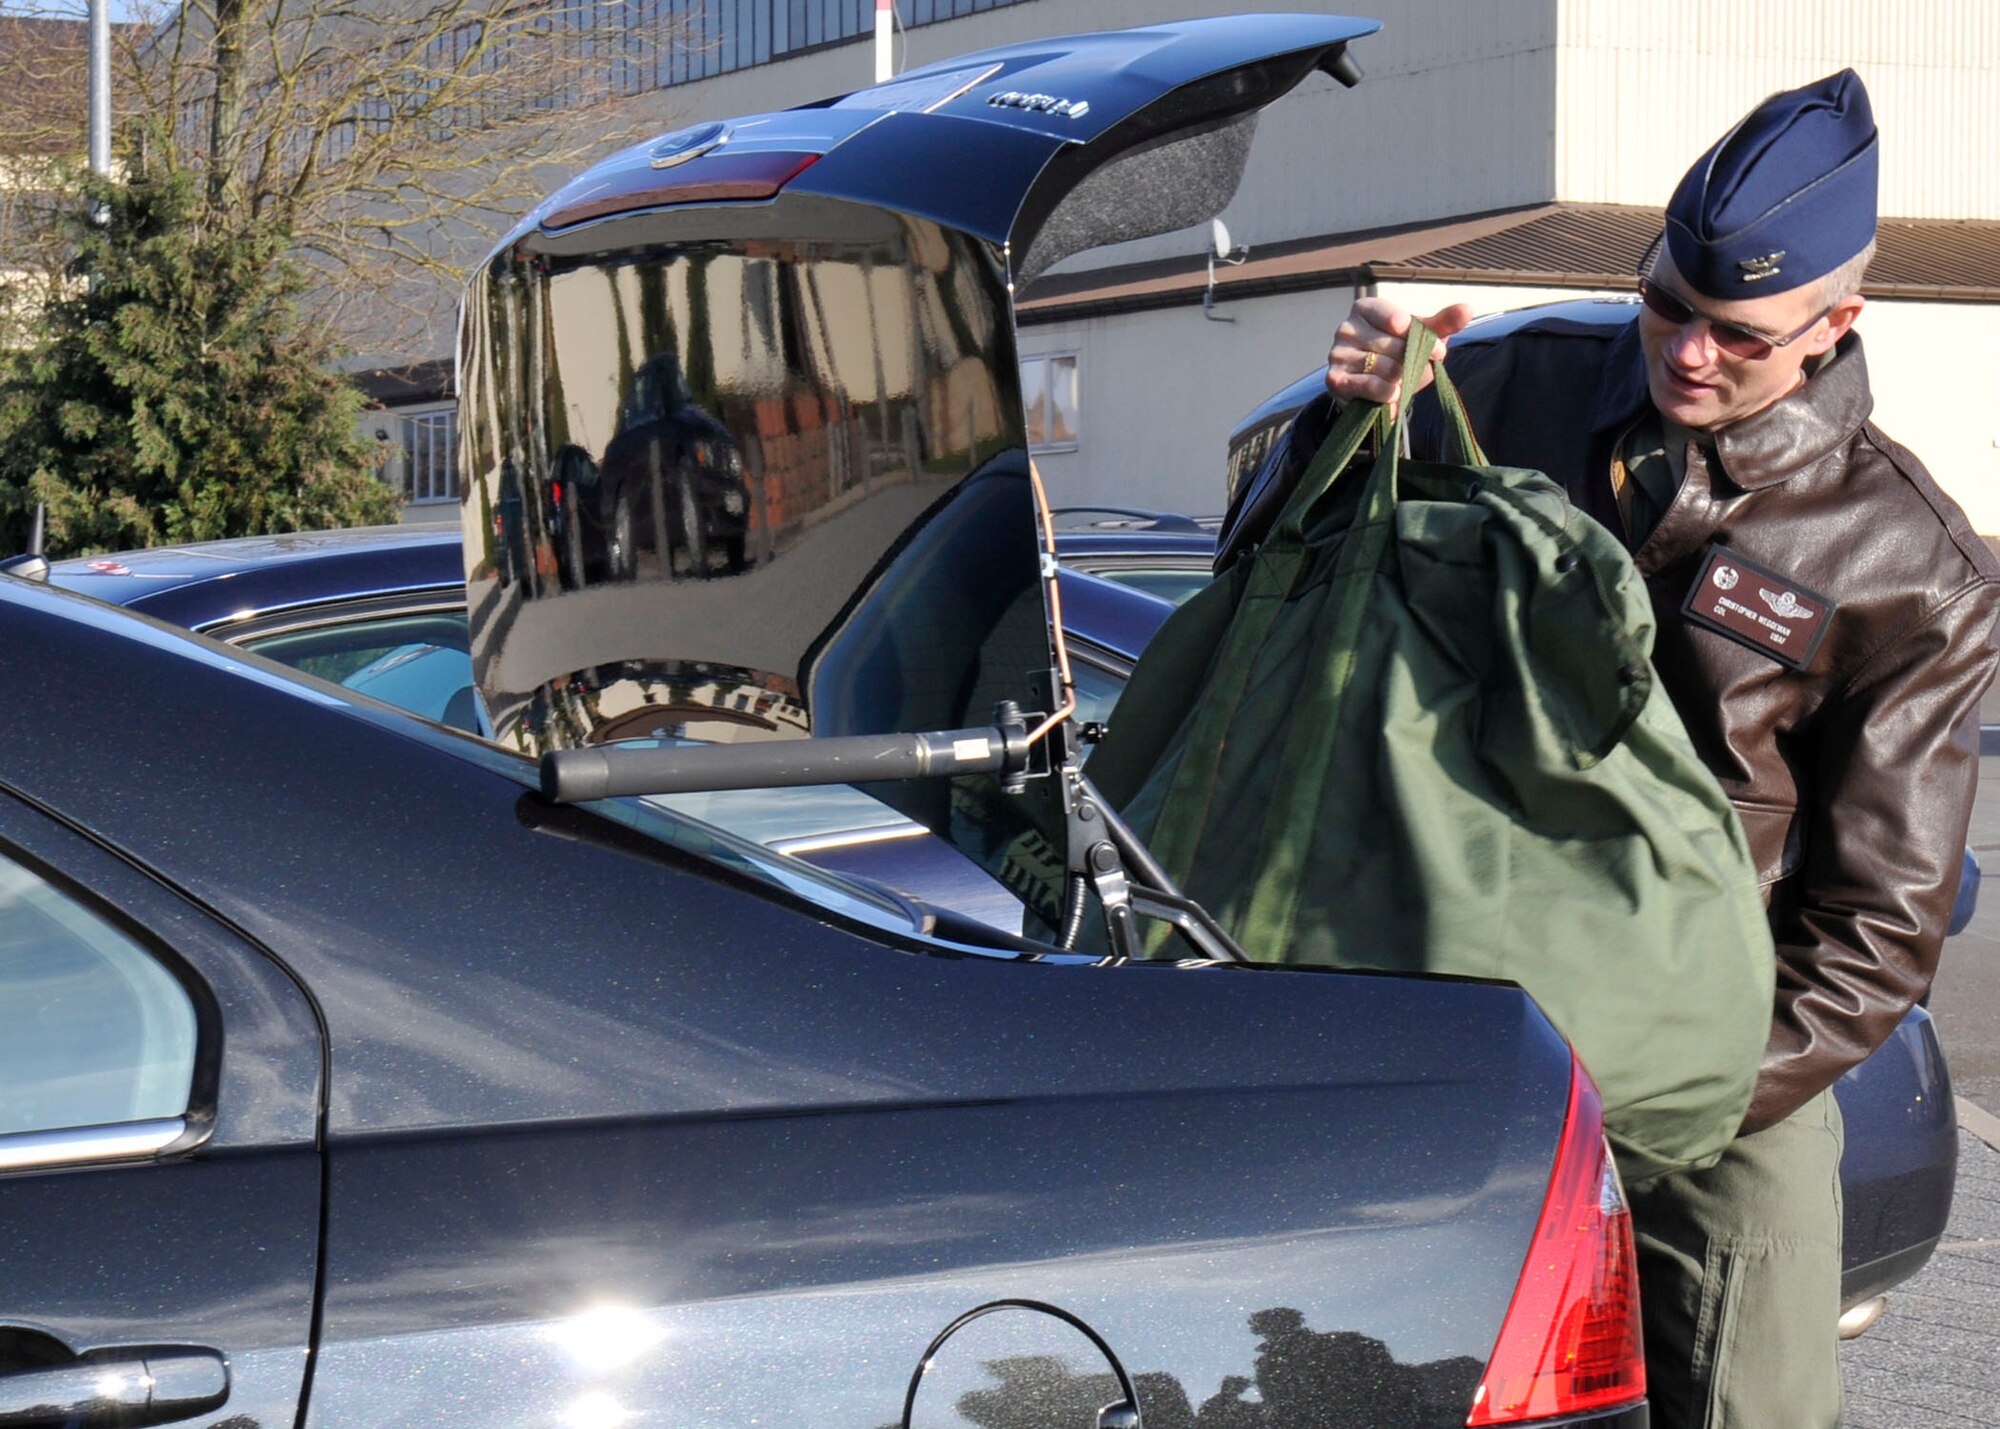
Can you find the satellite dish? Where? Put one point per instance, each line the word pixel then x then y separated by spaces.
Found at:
pixel 1221 246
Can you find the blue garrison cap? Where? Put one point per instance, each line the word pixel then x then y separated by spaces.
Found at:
pixel 1785 197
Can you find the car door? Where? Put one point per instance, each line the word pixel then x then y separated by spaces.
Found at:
pixel 159 1181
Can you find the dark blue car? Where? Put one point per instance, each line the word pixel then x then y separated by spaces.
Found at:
pixel 346 1076
pixel 354 1077
pixel 346 1079
pixel 379 610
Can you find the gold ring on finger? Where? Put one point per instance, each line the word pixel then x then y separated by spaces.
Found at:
pixel 1368 363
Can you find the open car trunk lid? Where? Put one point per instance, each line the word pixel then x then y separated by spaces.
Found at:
pixel 742 436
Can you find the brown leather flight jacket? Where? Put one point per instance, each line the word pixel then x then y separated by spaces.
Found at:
pixel 1854 775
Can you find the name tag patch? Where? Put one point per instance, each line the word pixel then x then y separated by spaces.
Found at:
pixel 1756 606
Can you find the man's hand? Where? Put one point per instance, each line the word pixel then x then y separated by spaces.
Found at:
pixel 1366 361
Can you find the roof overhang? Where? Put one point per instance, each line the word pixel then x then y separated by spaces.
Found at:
pixel 1554 245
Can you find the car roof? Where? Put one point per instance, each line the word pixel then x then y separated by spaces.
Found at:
pixel 1570 313
pixel 1073 523
pixel 1085 531
pixel 208 583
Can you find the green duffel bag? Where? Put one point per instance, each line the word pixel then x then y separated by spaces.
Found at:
pixel 1418 730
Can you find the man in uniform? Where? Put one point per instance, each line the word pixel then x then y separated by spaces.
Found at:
pixel 1824 619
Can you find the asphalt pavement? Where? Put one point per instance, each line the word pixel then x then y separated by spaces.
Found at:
pixel 1933 1360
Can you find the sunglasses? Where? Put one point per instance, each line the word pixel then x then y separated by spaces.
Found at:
pixel 1733 338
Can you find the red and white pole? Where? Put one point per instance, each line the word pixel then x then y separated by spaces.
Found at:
pixel 99 77
pixel 885 23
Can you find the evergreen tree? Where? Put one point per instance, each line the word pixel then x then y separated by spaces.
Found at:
pixel 173 394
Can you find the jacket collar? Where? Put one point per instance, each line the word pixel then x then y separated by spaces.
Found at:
pixel 1790 438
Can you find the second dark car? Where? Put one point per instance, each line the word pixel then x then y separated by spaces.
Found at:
pixel 670 486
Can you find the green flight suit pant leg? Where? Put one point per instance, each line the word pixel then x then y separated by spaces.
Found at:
pixel 1739 1280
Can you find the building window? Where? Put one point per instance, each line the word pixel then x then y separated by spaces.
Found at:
pixel 1049 397
pixel 430 456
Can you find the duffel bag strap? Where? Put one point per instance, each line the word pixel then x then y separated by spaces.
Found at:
pixel 1273 903
pixel 1352 427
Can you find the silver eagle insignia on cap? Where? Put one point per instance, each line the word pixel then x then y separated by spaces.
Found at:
pixel 1756 270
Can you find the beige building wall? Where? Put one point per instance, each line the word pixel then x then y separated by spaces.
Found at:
pixel 1643 88
pixel 1158 393
pixel 1472 107
pixel 1935 368
pixel 1475 74
pixel 1469 107
pixel 1494 104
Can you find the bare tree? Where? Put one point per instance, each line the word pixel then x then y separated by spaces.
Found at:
pixel 392 140
pixel 43 109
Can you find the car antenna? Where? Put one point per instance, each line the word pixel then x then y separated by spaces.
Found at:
pixel 32 564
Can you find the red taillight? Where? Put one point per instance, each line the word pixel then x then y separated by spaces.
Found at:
pixel 1570 1342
